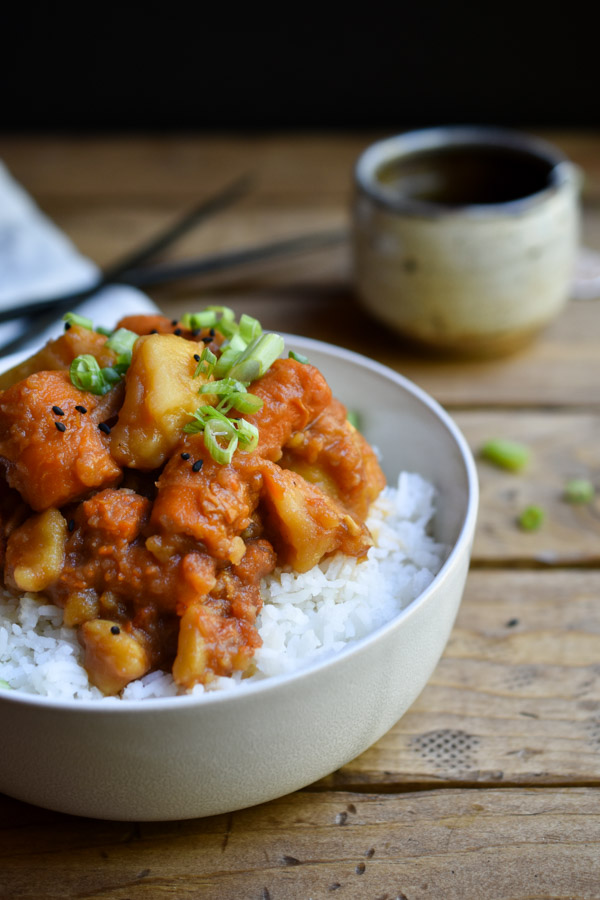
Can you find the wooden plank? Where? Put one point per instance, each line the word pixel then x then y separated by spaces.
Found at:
pixel 515 698
pixel 452 843
pixel 563 445
pixel 158 166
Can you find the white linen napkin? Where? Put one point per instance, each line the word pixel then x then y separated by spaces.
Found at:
pixel 37 260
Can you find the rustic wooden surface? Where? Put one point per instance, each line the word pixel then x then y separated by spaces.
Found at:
pixel 489 786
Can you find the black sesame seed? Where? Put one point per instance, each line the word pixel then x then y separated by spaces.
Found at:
pixel 115 629
pixel 197 465
pixel 81 409
pixel 185 455
pixel 196 332
pixel 174 321
pixel 212 332
pixel 177 331
pixel 196 357
pixel 71 524
pixel 511 623
pixel 57 411
pixel 154 331
pixel 67 326
pixel 104 428
pixel 206 340
pixel 61 426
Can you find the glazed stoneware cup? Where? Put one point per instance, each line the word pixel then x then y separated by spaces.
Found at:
pixel 465 237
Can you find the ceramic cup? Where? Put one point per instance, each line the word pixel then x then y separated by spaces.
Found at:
pixel 465 237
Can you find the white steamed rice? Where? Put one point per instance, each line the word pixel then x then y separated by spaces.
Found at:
pixel 305 618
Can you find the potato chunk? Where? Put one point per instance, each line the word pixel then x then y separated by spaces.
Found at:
pixel 36 551
pixel 113 657
pixel 304 523
pixel 160 395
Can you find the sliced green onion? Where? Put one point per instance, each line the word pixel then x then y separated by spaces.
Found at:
pixel 226 323
pixel 223 388
pixel 86 374
pixel 579 490
pixel 353 417
pixel 74 319
pixel 218 427
pixel 247 434
pixel 229 356
pixel 297 356
pixel 249 328
pixel 247 371
pixel 245 403
pixel 214 430
pixel 122 341
pixel 265 350
pixel 506 454
pixel 531 518
pixel 195 321
pixel 100 329
pixel 4 685
pixel 206 364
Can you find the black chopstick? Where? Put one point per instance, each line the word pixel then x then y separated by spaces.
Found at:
pixel 204 210
pixel 231 259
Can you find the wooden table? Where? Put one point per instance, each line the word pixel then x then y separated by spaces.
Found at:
pixel 488 787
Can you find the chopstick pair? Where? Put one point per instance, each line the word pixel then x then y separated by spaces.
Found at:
pixel 130 269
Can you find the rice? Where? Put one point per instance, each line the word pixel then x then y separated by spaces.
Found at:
pixel 305 618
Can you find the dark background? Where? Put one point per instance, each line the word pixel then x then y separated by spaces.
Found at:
pixel 157 67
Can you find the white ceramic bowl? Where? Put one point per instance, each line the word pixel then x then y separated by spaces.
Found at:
pixel 186 757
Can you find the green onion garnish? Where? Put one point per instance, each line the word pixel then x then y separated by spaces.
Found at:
pixel 579 490
pixel 297 356
pixel 531 518
pixel 245 402
pixel 249 328
pixel 100 329
pixel 86 374
pixel 206 363
pixel 218 428
pixel 122 341
pixel 4 685
pixel 233 396
pixel 353 417
pixel 215 431
pixel 264 351
pixel 74 319
pixel 506 454
pixel 229 355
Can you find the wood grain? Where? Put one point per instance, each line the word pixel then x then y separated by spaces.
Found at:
pixel 453 844
pixel 562 445
pixel 515 698
pixel 488 787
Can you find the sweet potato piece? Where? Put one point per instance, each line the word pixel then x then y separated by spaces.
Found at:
pixel 58 355
pixel 160 395
pixel 293 394
pixel 35 552
pixel 48 466
pixel 212 505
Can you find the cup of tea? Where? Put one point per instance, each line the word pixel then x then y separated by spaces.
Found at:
pixel 465 237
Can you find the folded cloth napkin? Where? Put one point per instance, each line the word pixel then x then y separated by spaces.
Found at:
pixel 37 260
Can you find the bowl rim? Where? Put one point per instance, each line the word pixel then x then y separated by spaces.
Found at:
pixel 152 705
pixel 562 171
